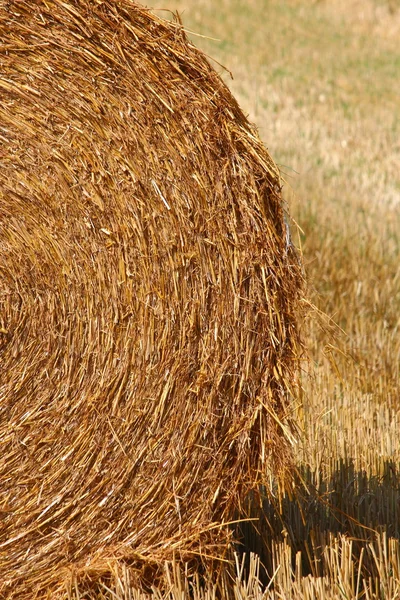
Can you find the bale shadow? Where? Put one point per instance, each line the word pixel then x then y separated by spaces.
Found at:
pixel 350 503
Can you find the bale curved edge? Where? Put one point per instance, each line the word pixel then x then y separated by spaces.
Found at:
pixel 149 298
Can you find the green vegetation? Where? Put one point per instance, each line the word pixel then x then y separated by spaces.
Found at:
pixel 321 80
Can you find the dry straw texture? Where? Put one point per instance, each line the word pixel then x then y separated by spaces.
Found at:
pixel 148 298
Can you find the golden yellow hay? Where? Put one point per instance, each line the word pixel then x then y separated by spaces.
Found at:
pixel 148 299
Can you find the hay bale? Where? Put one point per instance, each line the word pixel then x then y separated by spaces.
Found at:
pixel 148 296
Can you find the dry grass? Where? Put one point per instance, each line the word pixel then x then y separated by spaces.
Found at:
pixel 148 300
pixel 342 578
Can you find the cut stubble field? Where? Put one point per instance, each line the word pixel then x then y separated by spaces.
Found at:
pixel 321 82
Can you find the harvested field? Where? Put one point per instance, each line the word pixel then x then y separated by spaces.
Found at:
pixel 148 300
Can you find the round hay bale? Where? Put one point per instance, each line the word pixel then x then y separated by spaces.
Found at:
pixel 148 338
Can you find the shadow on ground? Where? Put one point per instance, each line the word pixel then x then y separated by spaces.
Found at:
pixel 350 504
